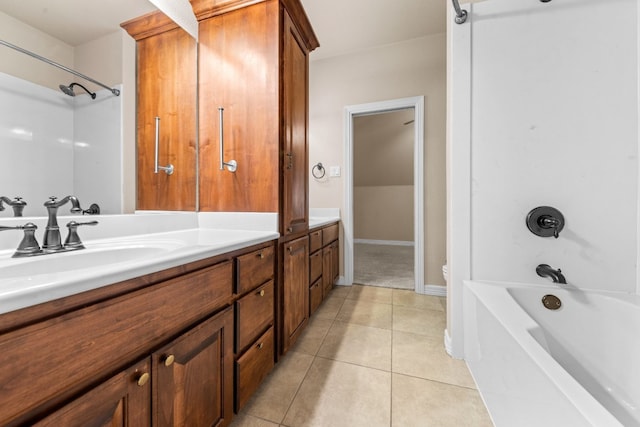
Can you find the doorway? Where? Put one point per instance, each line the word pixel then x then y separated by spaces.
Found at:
pixel 383 199
pixel 415 106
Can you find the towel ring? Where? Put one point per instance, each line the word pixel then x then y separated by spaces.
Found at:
pixel 318 171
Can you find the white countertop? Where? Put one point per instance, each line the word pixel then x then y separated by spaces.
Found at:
pixel 315 222
pixel 123 247
pixel 33 280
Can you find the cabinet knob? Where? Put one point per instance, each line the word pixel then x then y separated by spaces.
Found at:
pixel 289 229
pixel 260 346
pixel 261 255
pixel 142 379
pixel 168 360
pixel 261 293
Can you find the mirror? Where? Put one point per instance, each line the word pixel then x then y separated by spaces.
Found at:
pixel 54 144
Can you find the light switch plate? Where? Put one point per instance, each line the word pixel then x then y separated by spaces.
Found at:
pixel 334 171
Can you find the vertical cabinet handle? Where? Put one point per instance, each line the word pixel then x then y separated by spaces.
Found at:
pixel 168 169
pixel 231 165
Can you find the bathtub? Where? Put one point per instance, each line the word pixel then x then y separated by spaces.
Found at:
pixel 578 365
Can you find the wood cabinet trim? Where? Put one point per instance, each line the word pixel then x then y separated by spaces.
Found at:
pixel 148 25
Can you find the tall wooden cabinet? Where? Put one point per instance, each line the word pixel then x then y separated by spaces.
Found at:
pixel 253 63
pixel 166 89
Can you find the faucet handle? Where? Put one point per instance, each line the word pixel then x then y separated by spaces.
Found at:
pixel 29 245
pixel 73 240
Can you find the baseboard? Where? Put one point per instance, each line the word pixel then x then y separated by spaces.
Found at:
pixel 435 290
pixel 384 242
pixel 447 342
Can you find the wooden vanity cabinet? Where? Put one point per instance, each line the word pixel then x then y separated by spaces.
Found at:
pixel 166 88
pixel 122 400
pixel 324 263
pixel 191 376
pixel 154 350
pixel 254 317
pixel 295 297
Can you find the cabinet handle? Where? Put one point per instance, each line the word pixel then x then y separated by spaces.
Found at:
pixel 261 293
pixel 290 156
pixel 169 168
pixel 168 360
pixel 231 165
pixel 261 255
pixel 142 379
pixel 260 346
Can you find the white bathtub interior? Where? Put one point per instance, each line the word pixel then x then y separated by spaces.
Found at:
pixel 533 373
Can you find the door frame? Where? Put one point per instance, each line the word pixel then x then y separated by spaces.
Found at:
pixel 351 111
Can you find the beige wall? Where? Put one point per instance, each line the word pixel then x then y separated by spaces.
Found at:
pixel 22 66
pixel 383 212
pixel 411 68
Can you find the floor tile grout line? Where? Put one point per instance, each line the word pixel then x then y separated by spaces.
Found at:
pixel 436 381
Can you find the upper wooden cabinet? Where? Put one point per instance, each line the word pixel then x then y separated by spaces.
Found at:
pixel 167 89
pixel 253 63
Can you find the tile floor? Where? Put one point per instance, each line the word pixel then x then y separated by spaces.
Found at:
pixel 370 356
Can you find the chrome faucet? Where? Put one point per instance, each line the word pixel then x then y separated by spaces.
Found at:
pixel 17 204
pixel 544 270
pixel 29 245
pixel 52 241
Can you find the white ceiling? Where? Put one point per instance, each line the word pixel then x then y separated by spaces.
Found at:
pixel 342 26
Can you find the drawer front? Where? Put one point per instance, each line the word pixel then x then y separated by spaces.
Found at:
pixel 315 240
pixel 253 269
pixel 315 296
pixel 315 266
pixel 254 365
pixel 58 357
pixel 329 234
pixel 254 312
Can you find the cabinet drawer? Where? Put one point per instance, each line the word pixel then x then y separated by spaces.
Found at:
pixel 253 269
pixel 315 240
pixel 315 266
pixel 329 234
pixel 254 312
pixel 315 296
pixel 254 365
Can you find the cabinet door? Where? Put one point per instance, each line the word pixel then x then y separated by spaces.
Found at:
pixel 295 304
pixel 193 376
pixel 335 260
pixel 123 400
pixel 327 273
pixel 238 71
pixel 295 209
pixel 167 82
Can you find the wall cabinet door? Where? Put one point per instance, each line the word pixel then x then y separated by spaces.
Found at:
pixel 167 82
pixel 239 71
pixel 295 294
pixel 295 161
pixel 123 400
pixel 193 376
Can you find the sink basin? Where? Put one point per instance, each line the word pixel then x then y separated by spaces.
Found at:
pixel 100 255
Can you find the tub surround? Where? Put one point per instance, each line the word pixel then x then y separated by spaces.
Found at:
pixel 566 367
